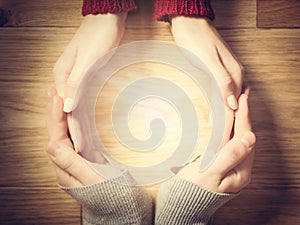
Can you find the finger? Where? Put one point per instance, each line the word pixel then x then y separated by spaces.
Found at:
pixel 232 154
pixel 82 137
pixel 74 86
pixel 57 126
pixel 80 134
pixel 76 83
pixel 229 119
pixel 64 178
pixel 69 161
pixel 77 135
pixel 225 83
pixel 244 169
pixel 232 66
pixel 63 68
pixel 242 121
pixel 240 176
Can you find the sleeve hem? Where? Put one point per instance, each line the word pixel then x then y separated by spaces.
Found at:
pixel 192 8
pixel 95 7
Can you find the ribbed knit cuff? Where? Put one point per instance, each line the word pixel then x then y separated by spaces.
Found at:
pixel 107 6
pixel 191 8
pixel 181 202
pixel 112 202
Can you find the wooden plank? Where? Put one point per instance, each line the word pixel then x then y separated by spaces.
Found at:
pixel 234 13
pixel 38 206
pixel 278 13
pixel 35 13
pixel 41 13
pixel 271 59
pixel 260 206
pixel 267 64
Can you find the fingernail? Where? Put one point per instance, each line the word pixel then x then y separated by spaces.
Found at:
pixel 68 105
pixel 232 102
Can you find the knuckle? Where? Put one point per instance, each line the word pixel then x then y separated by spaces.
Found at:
pixel 51 147
pixel 237 70
pixel 227 81
pixel 69 164
pixel 254 140
pixel 60 71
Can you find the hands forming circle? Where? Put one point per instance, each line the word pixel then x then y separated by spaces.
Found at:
pixel 231 169
pixel 229 172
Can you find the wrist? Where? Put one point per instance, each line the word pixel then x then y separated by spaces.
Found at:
pixel 185 20
pixel 109 26
pixel 182 25
pixel 118 19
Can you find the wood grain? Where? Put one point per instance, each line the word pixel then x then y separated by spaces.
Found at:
pixel 56 13
pixel 278 13
pixel 38 206
pixel 34 41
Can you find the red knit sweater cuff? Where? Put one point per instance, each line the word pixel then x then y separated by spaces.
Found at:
pixel 192 8
pixel 107 6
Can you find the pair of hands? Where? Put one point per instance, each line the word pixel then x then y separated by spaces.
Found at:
pixel 229 172
pixel 97 35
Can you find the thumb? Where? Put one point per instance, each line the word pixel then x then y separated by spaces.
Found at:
pixel 232 154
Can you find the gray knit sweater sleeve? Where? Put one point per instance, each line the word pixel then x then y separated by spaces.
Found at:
pixel 112 202
pixel 181 202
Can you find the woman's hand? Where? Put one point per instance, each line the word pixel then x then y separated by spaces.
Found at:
pixel 71 169
pixel 96 36
pixel 199 36
pixel 231 169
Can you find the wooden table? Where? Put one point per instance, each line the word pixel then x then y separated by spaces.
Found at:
pixel 37 33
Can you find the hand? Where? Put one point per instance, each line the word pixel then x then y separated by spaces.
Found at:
pixel 231 170
pixel 71 169
pixel 95 37
pixel 199 36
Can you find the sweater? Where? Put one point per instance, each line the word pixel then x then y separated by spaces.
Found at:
pixel 179 202
pixel 163 8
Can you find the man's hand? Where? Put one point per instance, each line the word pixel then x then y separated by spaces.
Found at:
pixel 231 169
pixel 71 169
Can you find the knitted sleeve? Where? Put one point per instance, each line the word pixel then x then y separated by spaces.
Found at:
pixel 107 6
pixel 192 8
pixel 112 202
pixel 181 202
